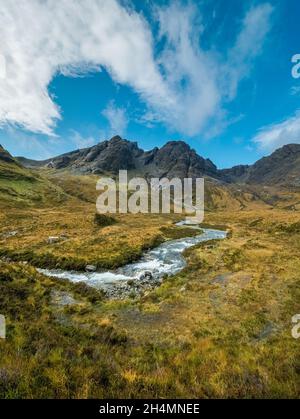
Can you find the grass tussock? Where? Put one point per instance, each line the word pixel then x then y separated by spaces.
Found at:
pixel 102 220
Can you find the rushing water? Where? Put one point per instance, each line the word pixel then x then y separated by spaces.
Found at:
pixel 166 259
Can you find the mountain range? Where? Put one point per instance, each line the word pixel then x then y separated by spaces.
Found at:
pixel 174 159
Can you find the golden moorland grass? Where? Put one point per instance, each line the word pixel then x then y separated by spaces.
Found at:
pixel 220 328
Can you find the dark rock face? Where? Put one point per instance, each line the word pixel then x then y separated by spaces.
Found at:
pixel 175 159
pixel 281 167
pixel 112 156
pixel 236 173
pixel 108 156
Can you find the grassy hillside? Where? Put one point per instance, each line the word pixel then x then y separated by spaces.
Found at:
pixel 20 186
pixel 220 328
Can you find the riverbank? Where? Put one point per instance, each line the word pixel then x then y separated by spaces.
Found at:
pixel 144 275
pixel 68 237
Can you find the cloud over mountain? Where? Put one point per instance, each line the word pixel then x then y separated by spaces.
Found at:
pixel 274 136
pixel 181 84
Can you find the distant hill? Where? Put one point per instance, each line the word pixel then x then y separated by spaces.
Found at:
pixel 235 174
pixel 280 168
pixel 31 164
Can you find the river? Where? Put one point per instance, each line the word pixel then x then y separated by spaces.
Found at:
pixel 166 259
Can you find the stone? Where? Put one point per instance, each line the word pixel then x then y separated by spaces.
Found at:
pixel 10 234
pixel 53 239
pixel 146 276
pixel 90 268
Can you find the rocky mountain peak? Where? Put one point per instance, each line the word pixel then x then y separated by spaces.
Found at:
pixel 174 159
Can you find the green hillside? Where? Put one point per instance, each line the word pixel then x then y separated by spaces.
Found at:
pixel 21 186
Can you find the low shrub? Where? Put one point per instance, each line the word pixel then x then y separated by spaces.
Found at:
pixel 102 220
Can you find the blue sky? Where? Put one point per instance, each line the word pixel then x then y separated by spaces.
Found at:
pixel 215 73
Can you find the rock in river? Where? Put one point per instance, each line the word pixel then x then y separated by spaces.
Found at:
pixel 90 268
pixel 146 276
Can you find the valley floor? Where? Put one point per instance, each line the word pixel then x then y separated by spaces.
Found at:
pixel 221 328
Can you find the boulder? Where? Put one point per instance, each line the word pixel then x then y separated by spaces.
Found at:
pixel 91 268
pixel 146 276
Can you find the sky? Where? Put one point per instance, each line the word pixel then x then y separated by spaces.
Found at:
pixel 217 74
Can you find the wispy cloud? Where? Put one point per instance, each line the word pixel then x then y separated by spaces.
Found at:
pixel 274 136
pixel 189 71
pixel 20 143
pixel 186 86
pixel 248 46
pixel 117 119
pixel 41 147
pixel 83 141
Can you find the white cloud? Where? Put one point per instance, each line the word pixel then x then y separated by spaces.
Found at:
pixel 248 45
pixel 184 87
pixel 274 136
pixel 117 119
pixel 201 80
pixel 40 38
pixel 190 72
pixel 2 67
